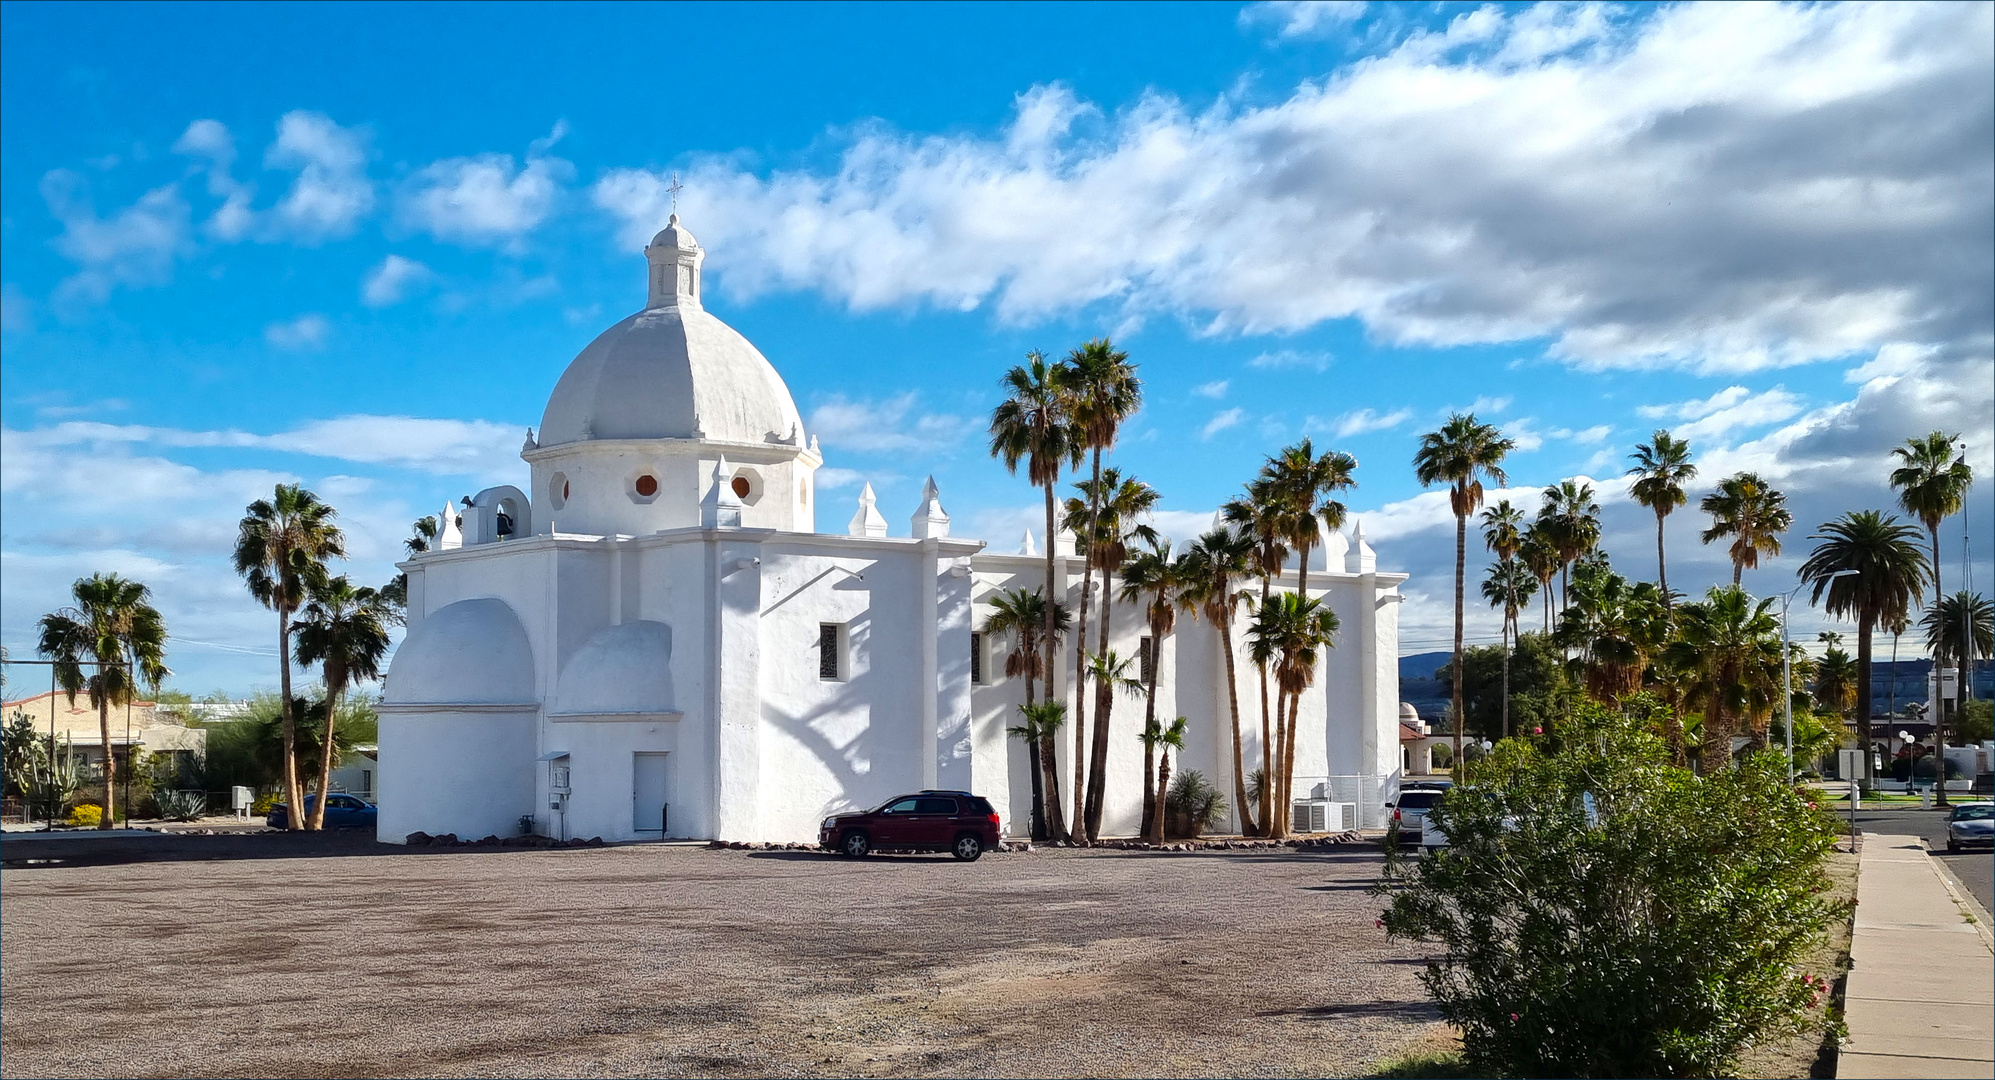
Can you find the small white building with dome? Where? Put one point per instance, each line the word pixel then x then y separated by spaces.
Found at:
pixel 654 640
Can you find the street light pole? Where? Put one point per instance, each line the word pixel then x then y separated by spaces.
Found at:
pixel 1787 670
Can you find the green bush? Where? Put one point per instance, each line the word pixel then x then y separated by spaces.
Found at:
pixel 1191 805
pixel 1602 913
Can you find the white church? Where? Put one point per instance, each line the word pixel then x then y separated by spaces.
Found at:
pixel 659 642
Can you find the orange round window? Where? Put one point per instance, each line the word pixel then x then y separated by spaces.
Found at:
pixel 564 490
pixel 647 485
pixel 740 487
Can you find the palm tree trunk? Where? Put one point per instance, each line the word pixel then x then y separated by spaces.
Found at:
pixel 1104 704
pixel 1716 752
pixel 1048 759
pixel 1156 822
pixel 326 751
pixel 1865 620
pixel 1960 693
pixel 1507 621
pixel 1288 763
pixel 1151 794
pixel 110 760
pixel 1548 607
pixel 294 815
pixel 1738 569
pixel 1248 826
pixel 1267 742
pixel 1038 830
pixel 1461 568
pixel 1662 570
pixel 1081 652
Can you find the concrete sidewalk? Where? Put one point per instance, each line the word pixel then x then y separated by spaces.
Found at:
pixel 1921 995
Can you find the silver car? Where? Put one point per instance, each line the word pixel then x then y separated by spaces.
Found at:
pixel 1971 825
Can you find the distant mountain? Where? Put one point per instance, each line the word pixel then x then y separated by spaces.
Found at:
pixel 1419 688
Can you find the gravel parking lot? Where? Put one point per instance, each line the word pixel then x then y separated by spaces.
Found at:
pixel 664 960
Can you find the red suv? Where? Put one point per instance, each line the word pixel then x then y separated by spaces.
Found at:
pixel 953 821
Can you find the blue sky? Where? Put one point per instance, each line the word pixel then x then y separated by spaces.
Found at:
pixel 355 246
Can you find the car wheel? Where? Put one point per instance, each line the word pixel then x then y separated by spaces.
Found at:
pixel 967 848
pixel 855 845
pixel 1953 846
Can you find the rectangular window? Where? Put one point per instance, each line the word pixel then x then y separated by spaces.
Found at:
pixel 1144 652
pixel 827 651
pixel 976 658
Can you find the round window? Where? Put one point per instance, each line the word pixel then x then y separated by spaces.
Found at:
pixel 557 490
pixel 647 485
pixel 741 487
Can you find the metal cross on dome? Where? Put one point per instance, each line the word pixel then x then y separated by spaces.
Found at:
pixel 675 187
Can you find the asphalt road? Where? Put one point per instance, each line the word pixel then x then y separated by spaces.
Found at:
pixel 1975 869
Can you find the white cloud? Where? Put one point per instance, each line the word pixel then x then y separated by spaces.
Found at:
pixel 1302 18
pixel 308 331
pixel 885 425
pixel 135 247
pixel 474 448
pixel 1365 421
pixel 833 478
pixel 332 192
pixel 1221 421
pixel 1584 436
pixel 211 140
pixel 486 199
pixel 393 281
pixel 1488 406
pixel 1523 431
pixel 1655 187
pixel 1726 412
pixel 1290 358
pixel 1214 390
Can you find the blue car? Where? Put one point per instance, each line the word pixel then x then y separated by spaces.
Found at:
pixel 342 812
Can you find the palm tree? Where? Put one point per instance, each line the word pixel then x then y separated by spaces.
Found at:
pixel 282 544
pixel 1662 467
pixel 1304 485
pixel 1260 516
pixel 422 535
pixel 1932 486
pixel 1749 510
pixel 1836 675
pixel 1034 424
pixel 344 630
pixel 1890 576
pixel 1460 454
pixel 1151 578
pixel 1570 519
pixel 1158 740
pixel 1023 616
pixel 1210 567
pixel 114 627
pixel 1721 645
pixel 1102 392
pixel 1291 630
pixel 1541 556
pixel 1042 724
pixel 1897 624
pixel 1106 522
pixel 1509 586
pixel 1617 628
pixel 1958 628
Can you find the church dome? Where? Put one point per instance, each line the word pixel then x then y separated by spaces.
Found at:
pixel 671 371
pixel 620 670
pixel 472 652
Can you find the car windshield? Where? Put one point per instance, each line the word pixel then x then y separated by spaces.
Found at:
pixel 1974 812
pixel 1418 800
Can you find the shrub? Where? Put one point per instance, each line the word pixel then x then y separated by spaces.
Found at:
pixel 264 804
pixel 180 805
pixel 1603 913
pixel 89 815
pixel 1191 805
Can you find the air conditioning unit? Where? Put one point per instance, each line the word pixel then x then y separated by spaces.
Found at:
pixel 1322 815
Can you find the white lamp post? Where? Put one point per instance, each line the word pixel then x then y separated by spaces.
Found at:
pixel 1911 757
pixel 1787 670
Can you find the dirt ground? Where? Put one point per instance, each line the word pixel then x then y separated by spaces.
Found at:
pixel 664 960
